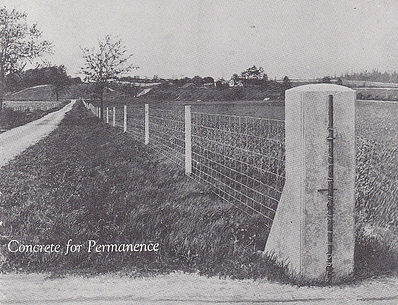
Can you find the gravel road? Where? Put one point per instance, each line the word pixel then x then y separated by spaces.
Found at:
pixel 16 140
pixel 179 288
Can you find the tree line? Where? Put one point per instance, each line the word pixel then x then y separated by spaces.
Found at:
pixel 373 76
pixel 49 75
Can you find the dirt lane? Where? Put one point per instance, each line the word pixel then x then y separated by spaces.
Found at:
pixel 179 288
pixel 16 140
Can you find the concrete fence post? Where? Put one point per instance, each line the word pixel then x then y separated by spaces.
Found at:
pixel 188 140
pixel 107 115
pixel 125 118
pixel 146 124
pixel 301 235
pixel 114 116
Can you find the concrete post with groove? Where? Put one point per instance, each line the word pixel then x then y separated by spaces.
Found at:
pixel 107 115
pixel 299 233
pixel 146 124
pixel 188 140
pixel 125 118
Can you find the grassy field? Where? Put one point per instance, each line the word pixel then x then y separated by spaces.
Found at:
pixel 90 181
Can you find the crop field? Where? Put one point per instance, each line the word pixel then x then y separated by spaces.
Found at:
pixel 377 163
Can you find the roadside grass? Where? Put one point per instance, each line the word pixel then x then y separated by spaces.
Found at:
pixel 88 181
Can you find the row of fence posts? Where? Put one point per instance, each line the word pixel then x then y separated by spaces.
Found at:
pixel 188 129
pixel 314 242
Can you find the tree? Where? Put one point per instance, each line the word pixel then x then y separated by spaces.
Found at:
pixel 105 64
pixel 208 80
pixel 197 80
pixel 222 84
pixel 286 83
pixel 19 44
pixel 254 76
pixel 235 80
pixel 58 77
pixel 326 79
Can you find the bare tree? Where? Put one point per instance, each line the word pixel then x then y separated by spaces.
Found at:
pixel 105 63
pixel 19 45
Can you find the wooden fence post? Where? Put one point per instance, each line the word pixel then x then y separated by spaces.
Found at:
pixel 125 119
pixel 114 117
pixel 146 142
pixel 188 140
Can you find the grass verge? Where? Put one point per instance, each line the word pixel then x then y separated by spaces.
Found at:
pixel 88 181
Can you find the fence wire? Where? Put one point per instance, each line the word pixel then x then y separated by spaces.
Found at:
pixel 167 133
pixel 119 113
pixel 242 158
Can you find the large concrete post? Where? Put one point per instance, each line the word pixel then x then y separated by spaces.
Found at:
pixel 298 235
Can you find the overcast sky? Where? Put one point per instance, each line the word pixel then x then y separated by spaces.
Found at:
pixel 301 39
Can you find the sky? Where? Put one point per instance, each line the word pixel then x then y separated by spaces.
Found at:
pixel 176 38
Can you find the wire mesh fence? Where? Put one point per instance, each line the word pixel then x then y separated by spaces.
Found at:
pixel 241 158
pixel 136 122
pixel 167 133
pixel 118 116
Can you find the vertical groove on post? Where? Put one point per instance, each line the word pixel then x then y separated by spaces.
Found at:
pixel 107 115
pixel 329 267
pixel 114 116
pixel 125 119
pixel 146 141
pixel 188 140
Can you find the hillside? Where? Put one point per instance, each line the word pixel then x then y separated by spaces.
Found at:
pixel 46 93
pixel 121 95
pixel 36 93
pixel 213 94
